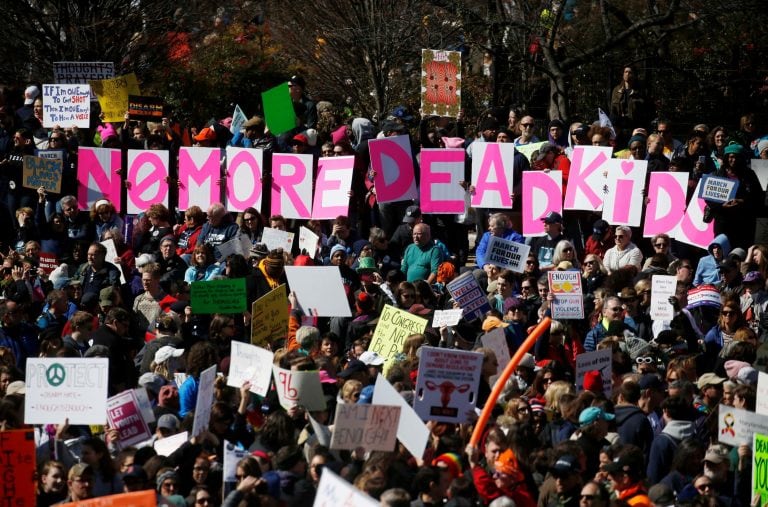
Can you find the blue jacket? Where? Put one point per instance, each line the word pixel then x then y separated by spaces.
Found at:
pixel 188 396
pixel 482 247
pixel 706 271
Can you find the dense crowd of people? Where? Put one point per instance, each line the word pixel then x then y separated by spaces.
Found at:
pixel 648 438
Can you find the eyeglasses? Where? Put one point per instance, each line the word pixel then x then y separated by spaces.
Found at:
pixel 524 409
pixel 530 263
pixel 727 313
pixel 641 360
pixel 526 125
pixel 619 236
pixel 548 380
pixel 661 245
pixel 248 219
pixel 589 262
pixel 55 139
pixel 704 487
pixel 203 501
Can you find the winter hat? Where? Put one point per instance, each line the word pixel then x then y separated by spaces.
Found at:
pixel 168 474
pixel 593 381
pixel 732 367
pixel 747 376
pixel 339 135
pixel 106 131
pixel 338 248
pixel 762 146
pixel 364 302
pixel 275 259
pixel 451 461
pixel 507 464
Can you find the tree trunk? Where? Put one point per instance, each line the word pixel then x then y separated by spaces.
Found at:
pixel 558 97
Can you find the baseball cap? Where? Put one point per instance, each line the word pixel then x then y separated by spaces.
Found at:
pixel 371 358
pixel 411 214
pixel 168 422
pixel 650 381
pixel 599 228
pixel 592 414
pixel 565 465
pixel 553 217
pixel 716 453
pixel 78 469
pixel 709 379
pixel 166 352
pixel 753 277
pixel 354 366
pixel 624 463
pixel 728 265
pixel 366 396
pixel 135 472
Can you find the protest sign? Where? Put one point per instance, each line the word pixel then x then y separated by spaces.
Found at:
pixel 447 384
pixel 442 170
pixel 113 95
pixel 82 72
pixel 269 317
pixel 301 388
pixel 275 238
pixel 716 189
pixel 331 301
pixel 440 82
pixel 372 427
pixel 239 245
pixel 760 467
pixel 542 193
pixel 292 185
pixel 585 179
pixel 109 244
pixel 166 446
pixel 736 426
pixel 507 254
pixel 147 178
pixel 760 167
pixel 393 328
pixel 322 432
pixel 469 296
pixel 309 242
pixel 692 229
pixel 145 108
pixel 496 340
pixel 48 262
pixel 492 174
pixel 392 164
pixel 332 187
pixel 278 109
pixel 762 393
pixel 529 149
pixel 333 491
pixel 232 454
pixel 42 172
pixel 17 467
pixel 411 431
pixel 667 206
pixel 218 296
pixel 250 363
pixel 244 174
pixel 50 154
pixel 446 317
pixel 204 401
pixel 60 388
pixel 147 498
pixel 66 105
pixel 199 173
pixel 623 198
pixel 569 300
pixel 662 288
pixel 97 176
pixel 124 415
pixel 600 360
pixel 238 120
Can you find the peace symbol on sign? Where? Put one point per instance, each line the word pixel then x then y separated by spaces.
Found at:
pixel 55 374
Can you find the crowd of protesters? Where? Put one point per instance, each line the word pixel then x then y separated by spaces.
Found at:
pixel 649 438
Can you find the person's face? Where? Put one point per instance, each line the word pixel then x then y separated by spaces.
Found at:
pixel 81 487
pixel 502 137
pixel 694 145
pixel 215 216
pixel 531 264
pixel 70 210
pixel 421 235
pixel 5 379
pixel 94 256
pixel 503 287
pixel 168 487
pixel 729 317
pixel 664 132
pixel 739 401
pixel 523 411
pixel 719 138
pixel 555 132
pixel 491 271
pixel 590 496
pixel 37 108
pixel 148 282
pixel 228 329
pixel 13 316
pixel 327 347
pixel 295 91
pixel 598 140
pixel 407 298
pixel 203 498
pixel 553 229
pixel 277 224
pixel 497 228
pixel 526 126
pixel 628 75
pixel 613 311
pixel 516 315
pixel 512 120
pixel 705 487
pixel 622 239
pixel 728 398
pixel 337 259
pixel 53 481
pixel 637 149
pixel 714 392
pixel 200 470
pixel 250 221
pixel 526 289
pixel 88 455
pixel 568 253
pixel 489 134
pixel 661 245
pixel 543 291
pixel 565 483
pixel 166 249
pixel 492 452
pixel 590 265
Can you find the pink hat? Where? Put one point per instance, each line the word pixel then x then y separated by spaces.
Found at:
pixel 339 135
pixel 732 367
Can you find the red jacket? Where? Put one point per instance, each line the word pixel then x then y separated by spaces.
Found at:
pixel 488 491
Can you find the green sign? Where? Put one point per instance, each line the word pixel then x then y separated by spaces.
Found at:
pixel 760 468
pixel 219 296
pixel 278 109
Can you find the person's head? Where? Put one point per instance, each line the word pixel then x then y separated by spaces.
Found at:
pixel 696 143
pixel 731 317
pixel 150 278
pixel 498 223
pixel 564 251
pixel 252 220
pixel 593 265
pixel 202 255
pixel 201 356
pixel 744 397
pixel 350 391
pixel 717 463
pixel 96 255
pixel 194 217
pixel 623 236
pixel 421 234
pixel 627 468
pixel 203 496
pixel 119 320
pixel 495 443
pixel 167 247
pixel 664 129
pixel 277 222
pixel 612 309
pixel 222 327
pixel 167 482
pixel 593 494
pixel 527 125
pixel 216 214
pixel 553 224
pixel 80 482
pixel 52 477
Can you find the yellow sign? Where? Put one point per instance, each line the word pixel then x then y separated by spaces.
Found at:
pixel 393 328
pixel 113 95
pixel 269 317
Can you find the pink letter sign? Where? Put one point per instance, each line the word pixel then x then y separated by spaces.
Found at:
pixel 441 172
pixel 97 176
pixel 392 164
pixel 198 176
pixel 147 173
pixel 623 204
pixel 334 180
pixel 692 229
pixel 586 180
pixel 542 193
pixel 492 174
pixel 291 185
pixel 244 178
pixel 666 203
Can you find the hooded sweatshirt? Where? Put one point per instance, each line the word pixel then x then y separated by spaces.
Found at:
pixel 706 271
pixel 664 447
pixel 634 427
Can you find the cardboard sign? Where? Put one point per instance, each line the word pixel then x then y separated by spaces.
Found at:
pixel 692 229
pixel 666 202
pixel 199 174
pixel 82 72
pixel 309 242
pixel 497 342
pixel 333 491
pixel 373 427
pixel 716 189
pixel 145 108
pixel 239 245
pixel 269 317
pixel 278 109
pixel 275 238
pixel 331 301
pixel 111 254
pixel 148 173
pixel 569 299
pixel 493 174
pixel 250 363
pixel 393 328
pixel 392 164
pixel 736 426
pixel 97 176
pixel 166 446
pixel 42 172
pixel 507 254
pixel 447 384
pixel 760 467
pixel 322 432
pixel 204 401
pixel 470 297
pixel 332 187
pixel 17 467
pixel 238 120
pixel 60 388
pixel 292 185
pixel 232 454
pixel 440 82
pixel 542 193
pixel 623 198
pixel 760 167
pixel 442 170
pixel 146 498
pixel 113 95
pixel 244 178
pixel 124 415
pixel 301 388
pixel 48 262
pixel 601 360
pixel 447 317
pixel 66 105
pixel 762 393
pixel 411 431
pixel 585 179
pixel 662 288
pixel 218 296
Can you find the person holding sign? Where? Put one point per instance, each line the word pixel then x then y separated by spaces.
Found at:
pixel 499 226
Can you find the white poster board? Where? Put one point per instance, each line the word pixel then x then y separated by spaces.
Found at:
pixel 250 363
pixel 565 286
pixel 447 317
pixel 662 288
pixel 66 105
pixel 601 360
pixel 372 427
pixel 331 301
pixel 497 342
pixel 762 393
pixel 736 426
pixel 301 388
pixel 166 446
pixel 411 431
pixel 204 401
pixel 308 241
pixel 275 238
pixel 507 254
pixel 333 491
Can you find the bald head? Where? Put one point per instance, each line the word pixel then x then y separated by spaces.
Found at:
pixel 421 234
